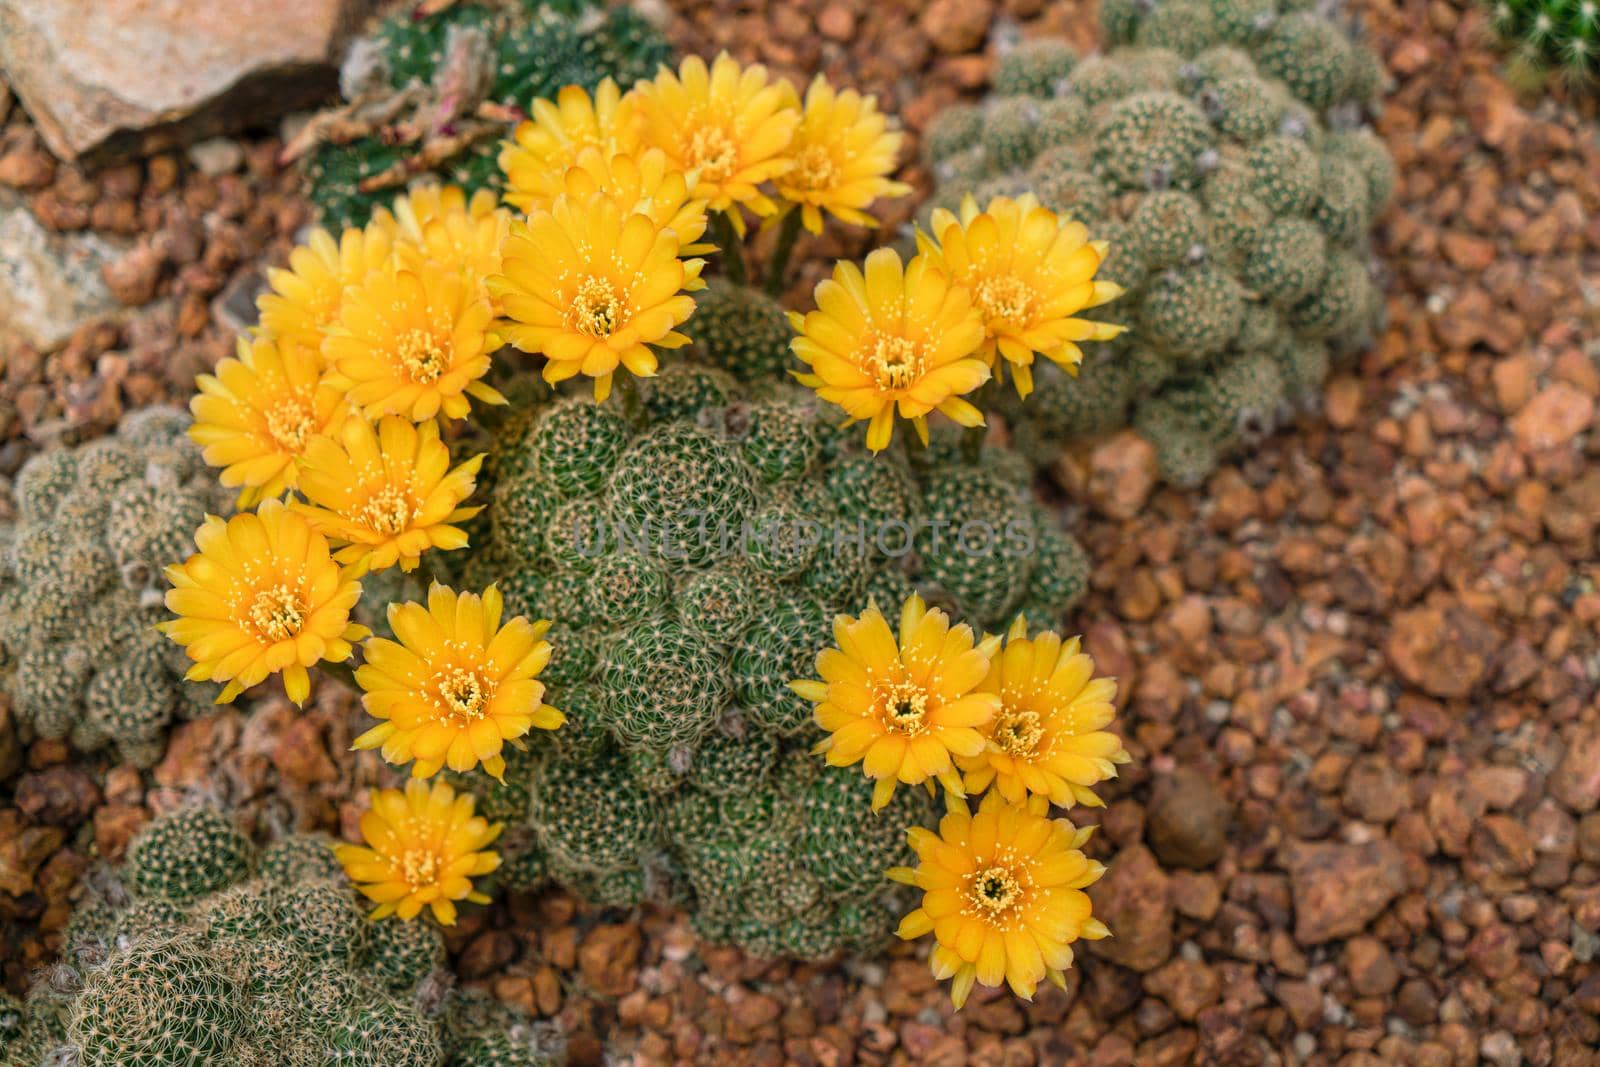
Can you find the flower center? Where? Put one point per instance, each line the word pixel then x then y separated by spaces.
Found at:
pixel 996 891
pixel 1006 299
pixel 463 692
pixel 896 362
pixel 289 423
pixel 596 309
pixel 419 867
pixel 905 706
pixel 422 356
pixel 1019 732
pixel 814 169
pixel 713 153
pixel 387 511
pixel 277 613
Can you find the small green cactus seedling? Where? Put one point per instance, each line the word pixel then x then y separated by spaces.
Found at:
pixel 81 585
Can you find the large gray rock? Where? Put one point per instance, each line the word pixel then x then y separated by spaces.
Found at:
pixel 110 78
pixel 50 283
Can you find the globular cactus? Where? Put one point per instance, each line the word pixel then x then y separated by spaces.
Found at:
pixel 1217 147
pixel 81 584
pixel 201 955
pixel 1550 35
pixel 737 522
pixel 437 94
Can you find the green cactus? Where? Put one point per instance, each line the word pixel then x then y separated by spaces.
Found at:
pixel 1215 148
pixel 261 965
pixel 81 584
pixel 745 522
pixel 502 53
pixel 741 330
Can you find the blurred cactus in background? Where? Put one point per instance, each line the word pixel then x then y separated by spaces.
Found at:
pixel 1217 147
pixel 436 93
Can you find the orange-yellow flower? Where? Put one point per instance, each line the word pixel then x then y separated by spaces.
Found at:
pixel 456 685
pixel 901 709
pixel 1049 738
pixel 423 848
pixel 896 337
pixel 592 285
pixel 413 340
pixel 645 183
pixel 729 126
pixel 843 153
pixel 544 146
pixel 255 415
pixel 1030 272
pixel 1002 894
pixel 307 295
pixel 261 596
pixel 386 492
pixel 439 223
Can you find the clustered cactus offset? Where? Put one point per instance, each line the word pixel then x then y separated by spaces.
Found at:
pixel 81 586
pixel 693 551
pixel 1550 35
pixel 206 952
pixel 1217 147
pixel 437 93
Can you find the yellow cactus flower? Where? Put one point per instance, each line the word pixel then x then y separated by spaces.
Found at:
pixel 386 492
pixel 423 848
pixel 1002 894
pixel 592 285
pixel 645 183
pixel 1030 272
pixel 544 146
pixel 727 125
pixel 843 152
pixel 439 223
pixel 901 709
pixel 894 337
pixel 254 415
pixel 262 595
pixel 413 340
pixel 456 685
pixel 1049 738
pixel 306 296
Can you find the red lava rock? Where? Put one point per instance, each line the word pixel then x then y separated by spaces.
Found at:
pixel 1339 889
pixel 1576 780
pixel 57 796
pixel 1132 899
pixel 1187 820
pixel 1553 417
pixel 23 849
pixel 607 958
pixel 1189 986
pixel 300 755
pixel 1371 967
pixel 1122 473
pixel 1445 653
pixel 133 277
pixel 956 25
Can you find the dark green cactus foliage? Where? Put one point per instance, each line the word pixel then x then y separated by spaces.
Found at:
pixel 272 964
pixel 81 586
pixel 521 51
pixel 1217 148
pixel 683 770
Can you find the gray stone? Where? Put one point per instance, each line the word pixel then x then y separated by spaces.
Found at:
pixel 111 78
pixel 50 283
